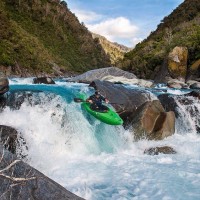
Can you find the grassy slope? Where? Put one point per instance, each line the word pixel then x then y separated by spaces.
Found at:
pixel 181 28
pixel 36 34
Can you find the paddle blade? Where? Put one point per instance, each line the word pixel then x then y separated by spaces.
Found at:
pixel 78 100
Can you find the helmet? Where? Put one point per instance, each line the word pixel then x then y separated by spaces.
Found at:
pixel 96 92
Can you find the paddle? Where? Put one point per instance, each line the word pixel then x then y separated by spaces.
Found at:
pixel 78 100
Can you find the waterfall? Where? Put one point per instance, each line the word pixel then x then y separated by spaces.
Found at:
pixel 188 120
pixel 98 161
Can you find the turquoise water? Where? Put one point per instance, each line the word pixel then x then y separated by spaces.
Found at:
pixel 98 161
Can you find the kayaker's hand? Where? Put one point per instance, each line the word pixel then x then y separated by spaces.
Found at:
pixel 107 101
pixel 90 101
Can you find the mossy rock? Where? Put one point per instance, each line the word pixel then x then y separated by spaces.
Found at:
pixel 177 62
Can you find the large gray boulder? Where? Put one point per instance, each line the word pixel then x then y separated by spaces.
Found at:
pixel 101 74
pixel 18 180
pixel 146 117
pixel 111 74
pixel 4 84
pixel 124 100
pixel 151 122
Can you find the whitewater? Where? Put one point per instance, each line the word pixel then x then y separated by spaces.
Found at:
pixel 97 161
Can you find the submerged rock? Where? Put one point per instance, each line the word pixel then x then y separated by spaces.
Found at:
pixel 44 80
pixel 4 84
pixel 19 180
pixel 151 122
pixel 156 150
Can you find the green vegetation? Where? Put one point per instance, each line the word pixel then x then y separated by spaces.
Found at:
pixel 36 35
pixel 181 28
pixel 115 51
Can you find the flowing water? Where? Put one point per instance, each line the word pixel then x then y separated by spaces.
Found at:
pixel 98 161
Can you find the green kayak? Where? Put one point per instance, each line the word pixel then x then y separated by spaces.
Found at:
pixel 108 117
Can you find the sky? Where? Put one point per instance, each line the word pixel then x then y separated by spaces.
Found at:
pixel 126 22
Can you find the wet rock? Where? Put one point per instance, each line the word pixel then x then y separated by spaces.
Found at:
pixel 162 76
pixel 124 100
pixel 16 98
pixel 194 71
pixel 4 84
pixel 173 83
pixel 8 137
pixel 169 103
pixel 151 122
pixel 193 94
pixel 177 62
pixel 44 80
pixel 3 101
pixel 156 150
pixel 19 180
pixel 195 85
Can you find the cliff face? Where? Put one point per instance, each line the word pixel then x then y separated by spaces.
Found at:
pixel 114 50
pixel 43 36
pixel 180 28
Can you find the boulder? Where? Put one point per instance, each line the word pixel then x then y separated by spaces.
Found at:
pixel 111 74
pixel 183 105
pixel 156 150
pixel 44 80
pixel 101 74
pixel 150 121
pixel 195 85
pixel 169 103
pixel 162 74
pixel 194 71
pixel 4 84
pixel 19 180
pixel 177 62
pixel 124 100
pixel 176 84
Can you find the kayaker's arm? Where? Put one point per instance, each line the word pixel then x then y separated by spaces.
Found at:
pixel 89 100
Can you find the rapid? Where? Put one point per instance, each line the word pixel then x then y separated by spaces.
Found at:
pixel 97 161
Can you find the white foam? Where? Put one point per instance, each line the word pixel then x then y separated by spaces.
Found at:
pixel 24 81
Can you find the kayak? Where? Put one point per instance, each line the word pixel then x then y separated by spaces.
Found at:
pixel 109 117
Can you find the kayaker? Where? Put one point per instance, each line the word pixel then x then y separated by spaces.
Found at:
pixel 96 101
